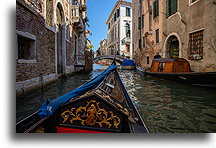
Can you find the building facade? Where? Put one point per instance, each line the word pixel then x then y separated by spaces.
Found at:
pixel 175 29
pixel 50 41
pixel 103 47
pixel 119 35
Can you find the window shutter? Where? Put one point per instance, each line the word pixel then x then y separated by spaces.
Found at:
pixel 139 23
pixel 142 20
pixel 157 8
pixel 167 8
pixel 175 6
pixel 155 5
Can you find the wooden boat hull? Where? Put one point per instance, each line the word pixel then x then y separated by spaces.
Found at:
pixel 205 79
pixel 106 108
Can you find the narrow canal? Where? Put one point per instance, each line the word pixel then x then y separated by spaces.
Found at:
pixel 166 107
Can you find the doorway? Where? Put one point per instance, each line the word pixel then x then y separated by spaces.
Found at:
pixel 59 30
pixel 172 47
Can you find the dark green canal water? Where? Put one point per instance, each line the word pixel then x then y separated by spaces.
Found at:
pixel 166 107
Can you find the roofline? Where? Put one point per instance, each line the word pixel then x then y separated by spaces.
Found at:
pixel 118 3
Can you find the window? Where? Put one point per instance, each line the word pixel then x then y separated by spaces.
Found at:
pixel 196 45
pixel 139 43
pixel 157 35
pixel 74 2
pixel 142 20
pixel 127 26
pixel 118 12
pixel 128 13
pixel 148 60
pixel 26 48
pixel 191 1
pixel 144 41
pixel 118 30
pixel 139 23
pixel 161 66
pixel 115 17
pixel 109 26
pixel 171 7
pixel 155 9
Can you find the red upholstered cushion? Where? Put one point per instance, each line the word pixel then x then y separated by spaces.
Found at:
pixel 73 130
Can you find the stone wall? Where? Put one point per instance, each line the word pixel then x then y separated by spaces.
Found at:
pixel 189 18
pixel 29 22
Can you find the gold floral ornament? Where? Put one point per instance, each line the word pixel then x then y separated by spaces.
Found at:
pixel 91 115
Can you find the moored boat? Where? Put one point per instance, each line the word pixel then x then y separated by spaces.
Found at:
pixel 179 70
pixel 128 64
pixel 100 106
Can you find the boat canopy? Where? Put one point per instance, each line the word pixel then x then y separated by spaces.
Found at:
pixel 128 62
pixel 165 65
pixel 48 108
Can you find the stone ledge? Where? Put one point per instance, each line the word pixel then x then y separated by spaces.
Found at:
pixel 26 34
pixel 28 86
pixel 26 61
pixel 50 28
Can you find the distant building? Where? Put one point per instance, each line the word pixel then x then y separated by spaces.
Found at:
pixel 50 41
pixel 103 47
pixel 175 29
pixel 120 29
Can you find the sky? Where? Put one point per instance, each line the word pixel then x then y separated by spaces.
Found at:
pixel 98 12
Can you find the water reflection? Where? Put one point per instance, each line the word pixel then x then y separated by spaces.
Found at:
pixel 171 107
pixel 164 106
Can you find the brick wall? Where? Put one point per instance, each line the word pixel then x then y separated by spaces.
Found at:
pixel 69 53
pixel 27 21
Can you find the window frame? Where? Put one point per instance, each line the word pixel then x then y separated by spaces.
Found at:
pixel 128 12
pixel 157 36
pixel 140 43
pixel 169 12
pixel 155 9
pixel 198 52
pixel 142 21
pixel 139 23
pixel 144 41
pixel 127 30
pixel 33 47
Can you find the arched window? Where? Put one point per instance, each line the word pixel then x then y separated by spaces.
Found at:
pixel 127 26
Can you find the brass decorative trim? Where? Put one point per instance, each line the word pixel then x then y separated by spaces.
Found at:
pixel 90 115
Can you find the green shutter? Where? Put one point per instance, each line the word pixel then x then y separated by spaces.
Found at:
pixel 167 8
pixel 155 8
pixel 174 6
pixel 171 7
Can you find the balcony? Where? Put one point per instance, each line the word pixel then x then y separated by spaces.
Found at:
pixel 126 41
pixel 77 18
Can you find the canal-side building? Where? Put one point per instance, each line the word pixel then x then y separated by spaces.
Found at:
pixel 119 32
pixel 50 41
pixel 175 29
pixel 103 47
